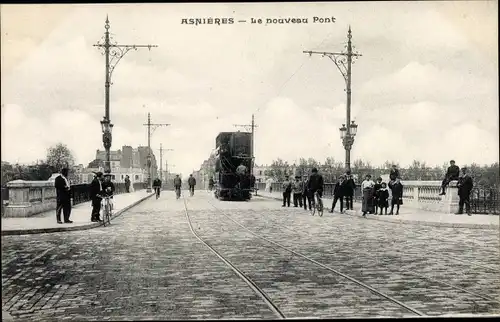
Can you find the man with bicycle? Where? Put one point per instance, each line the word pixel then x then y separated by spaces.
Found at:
pixel 315 185
pixel 108 188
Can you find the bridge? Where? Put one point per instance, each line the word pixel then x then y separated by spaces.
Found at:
pixel 201 258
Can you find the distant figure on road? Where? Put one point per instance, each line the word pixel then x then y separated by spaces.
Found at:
pixel 298 187
pixel 367 188
pixel 350 187
pixel 287 191
pixel 394 174
pixel 63 197
pixel 192 183
pixel 177 186
pixel 157 187
pixel 96 196
pixel 465 185
pixel 127 184
pixel 397 195
pixel 210 184
pixel 452 173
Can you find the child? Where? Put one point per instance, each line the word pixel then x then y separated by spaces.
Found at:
pixel 383 198
pixel 376 188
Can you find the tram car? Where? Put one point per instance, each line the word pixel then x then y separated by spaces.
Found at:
pixel 233 180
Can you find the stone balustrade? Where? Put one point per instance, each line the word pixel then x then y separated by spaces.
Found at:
pixel 416 194
pixel 28 198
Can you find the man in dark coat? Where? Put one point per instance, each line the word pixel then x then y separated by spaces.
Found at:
pixel 63 193
pixel 349 188
pixel 177 186
pixel 96 196
pixel 397 195
pixel 338 194
pixel 452 173
pixel 287 191
pixel 465 185
pixel 315 184
pixel 127 184
pixel 192 183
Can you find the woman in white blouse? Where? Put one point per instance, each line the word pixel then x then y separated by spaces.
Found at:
pixel 367 187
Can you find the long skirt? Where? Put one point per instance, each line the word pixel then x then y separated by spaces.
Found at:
pixel 367 205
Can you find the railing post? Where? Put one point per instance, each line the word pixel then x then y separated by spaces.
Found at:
pixel 415 196
pixel 451 200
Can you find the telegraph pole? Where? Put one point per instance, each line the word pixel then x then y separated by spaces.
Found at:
pixel 161 160
pixel 113 53
pixel 154 126
pixel 343 61
pixel 252 127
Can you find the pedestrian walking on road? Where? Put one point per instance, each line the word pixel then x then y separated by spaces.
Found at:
pixel 96 196
pixel 63 197
pixel 397 195
pixel 367 187
pixel 465 185
pixel 306 194
pixel 298 187
pixel 338 194
pixel 452 173
pixel 177 186
pixel 157 187
pixel 192 183
pixel 350 187
pixel 127 184
pixel 287 191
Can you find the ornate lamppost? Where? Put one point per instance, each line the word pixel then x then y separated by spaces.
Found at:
pixel 107 129
pixel 347 134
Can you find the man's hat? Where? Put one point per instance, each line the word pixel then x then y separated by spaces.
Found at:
pixel 108 175
pixel 98 173
pixel 297 177
pixel 452 161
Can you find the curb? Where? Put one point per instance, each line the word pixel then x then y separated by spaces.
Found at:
pixel 73 228
pixel 417 222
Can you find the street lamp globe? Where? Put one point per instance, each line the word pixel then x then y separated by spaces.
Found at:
pixel 354 128
pixel 343 131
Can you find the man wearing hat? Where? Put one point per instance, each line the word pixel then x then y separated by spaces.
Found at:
pixel 297 192
pixel 465 185
pixel 306 196
pixel 108 188
pixel 63 193
pixel 452 173
pixel 287 191
pixel 96 196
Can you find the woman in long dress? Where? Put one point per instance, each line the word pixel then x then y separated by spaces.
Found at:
pixel 367 187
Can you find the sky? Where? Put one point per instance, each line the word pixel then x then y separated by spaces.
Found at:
pixel 425 87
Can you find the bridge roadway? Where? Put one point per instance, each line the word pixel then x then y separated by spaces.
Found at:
pixel 150 265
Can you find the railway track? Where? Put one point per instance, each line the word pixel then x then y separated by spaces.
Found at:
pixel 253 285
pixel 479 295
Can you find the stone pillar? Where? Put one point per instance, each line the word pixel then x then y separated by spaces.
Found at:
pixel 20 192
pixel 415 196
pixel 451 199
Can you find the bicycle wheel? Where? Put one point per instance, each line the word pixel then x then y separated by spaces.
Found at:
pixel 320 207
pixel 109 213
pixel 104 212
pixel 313 208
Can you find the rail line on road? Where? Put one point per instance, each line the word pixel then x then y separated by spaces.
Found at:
pixel 240 274
pixel 479 295
pixel 336 272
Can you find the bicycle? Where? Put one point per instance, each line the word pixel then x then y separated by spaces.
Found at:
pixel 317 204
pixel 107 211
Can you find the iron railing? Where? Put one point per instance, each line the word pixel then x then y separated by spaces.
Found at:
pixel 81 192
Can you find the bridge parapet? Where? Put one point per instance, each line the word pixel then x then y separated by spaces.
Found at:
pixel 28 198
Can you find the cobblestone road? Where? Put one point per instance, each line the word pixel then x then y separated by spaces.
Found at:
pixel 148 265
